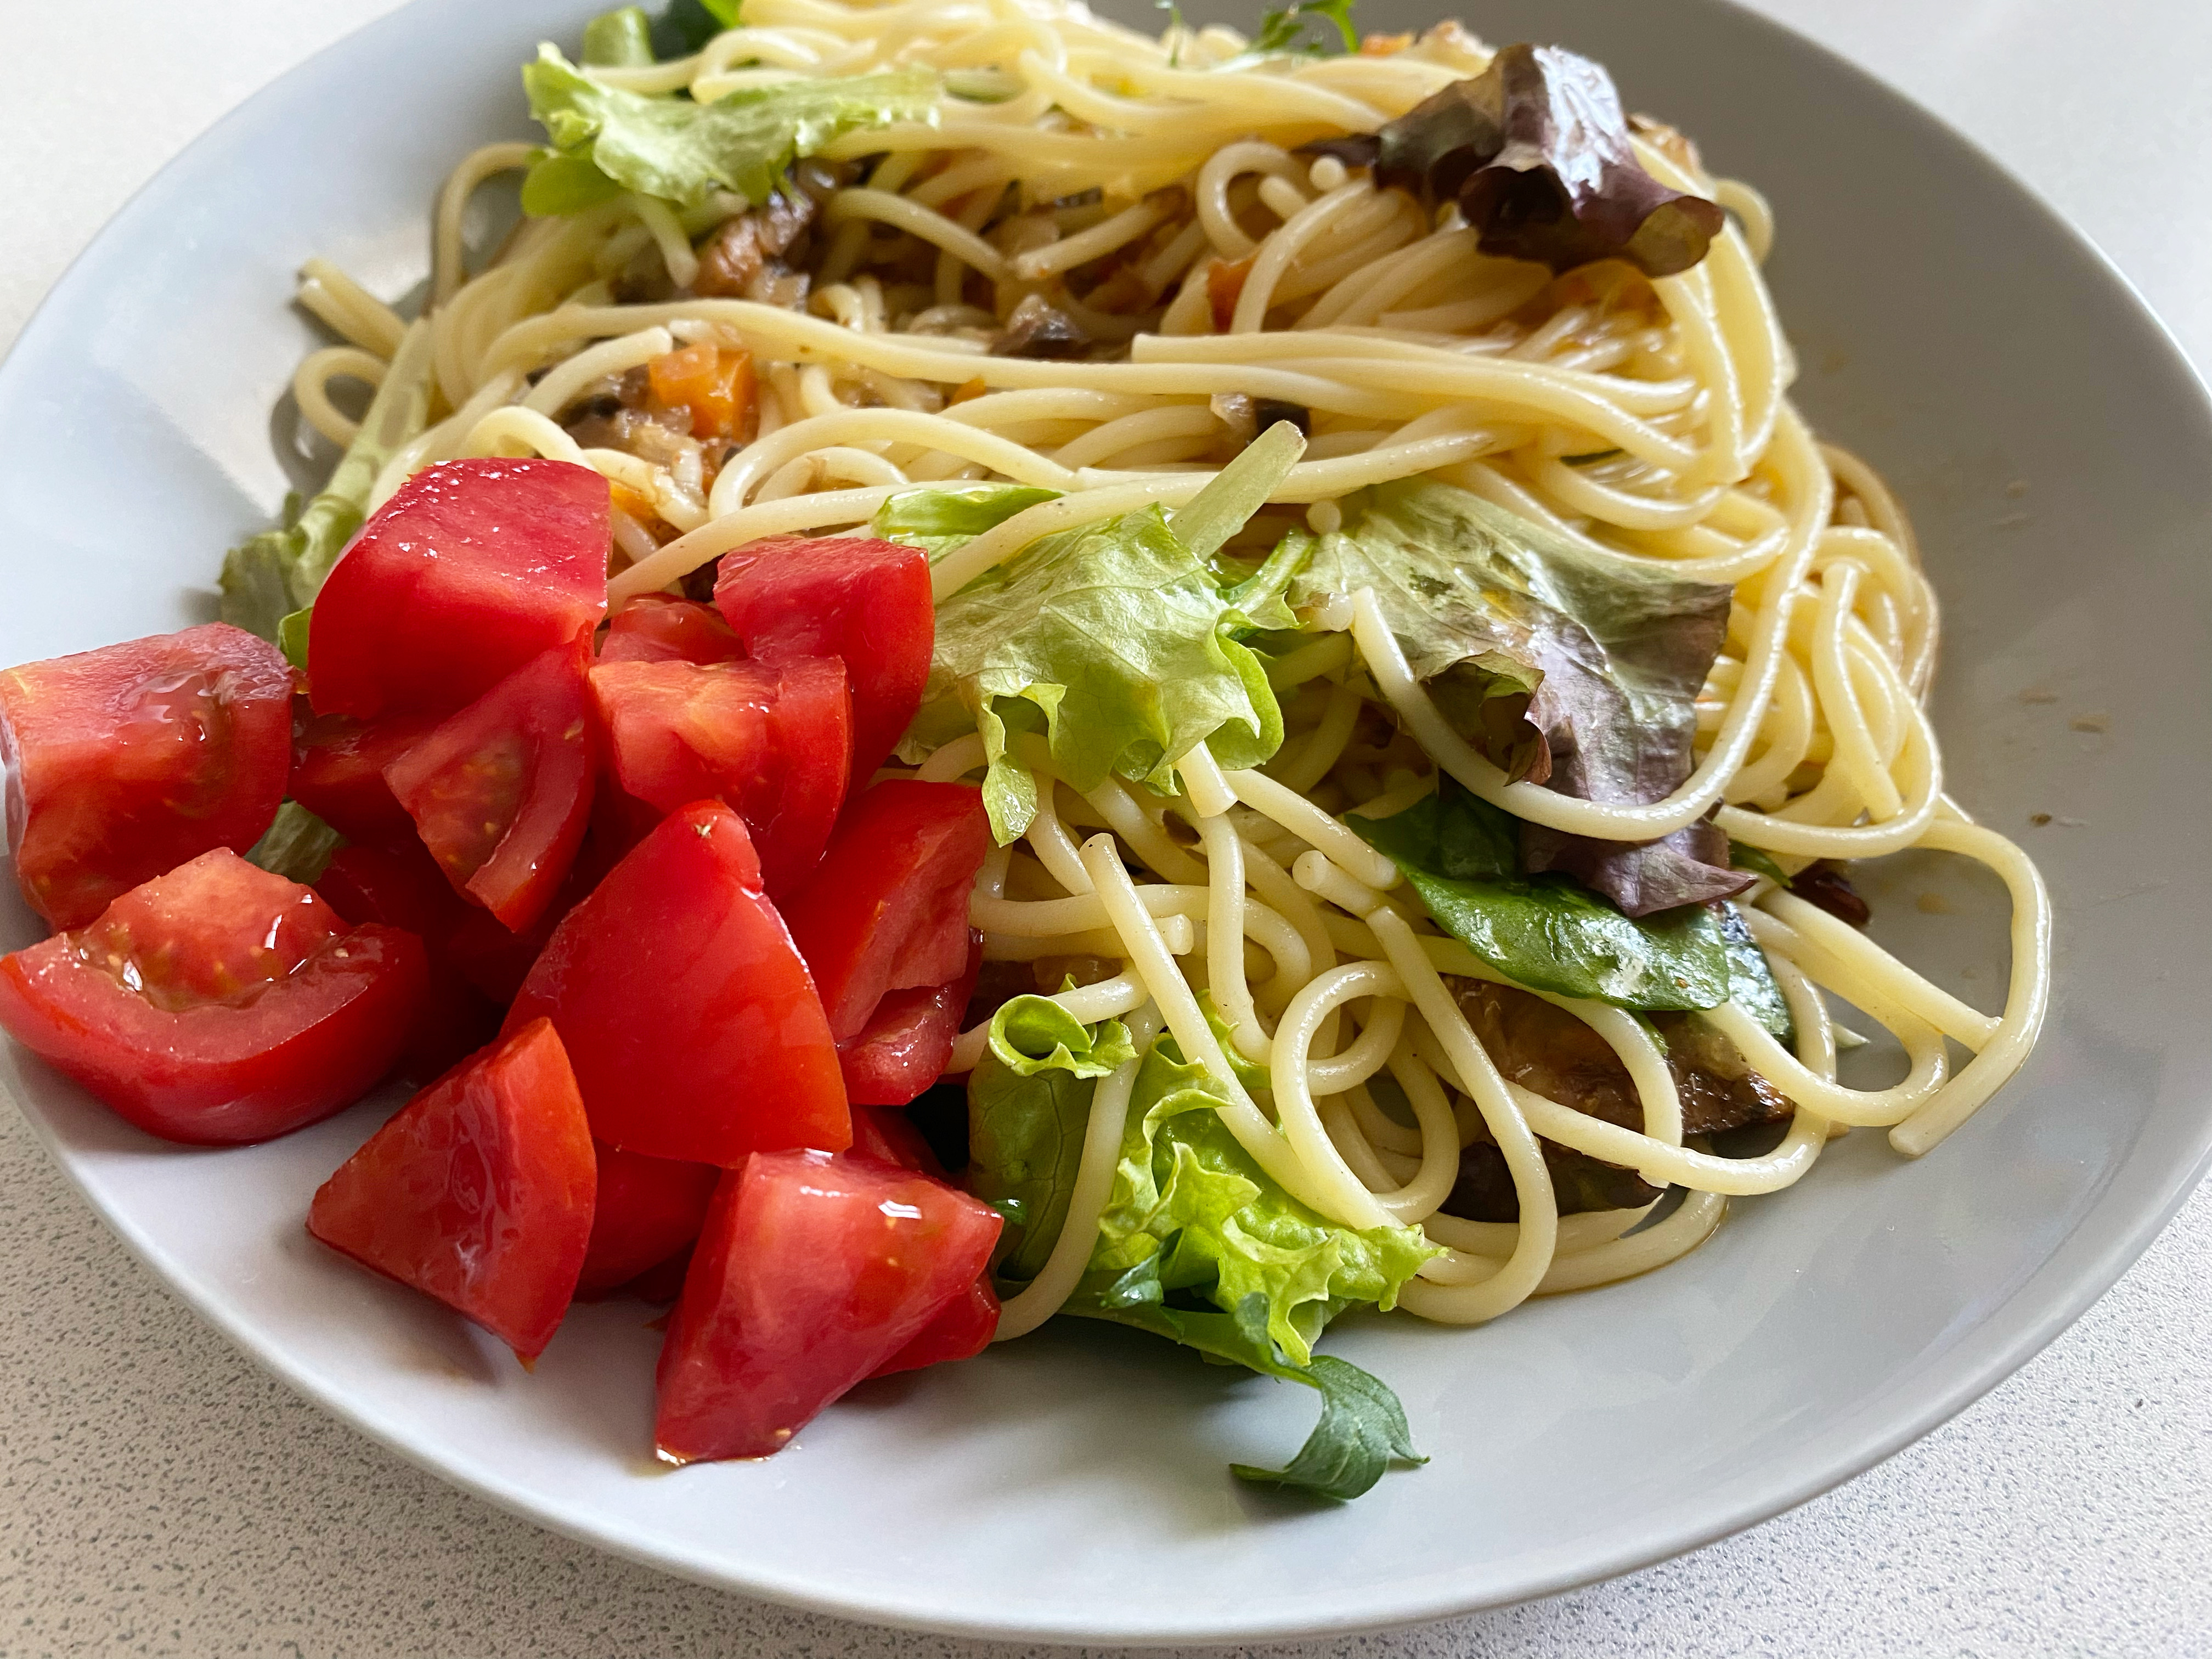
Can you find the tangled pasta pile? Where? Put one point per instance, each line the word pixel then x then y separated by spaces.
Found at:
pixel 1101 265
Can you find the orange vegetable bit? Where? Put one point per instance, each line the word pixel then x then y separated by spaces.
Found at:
pixel 1224 285
pixel 714 382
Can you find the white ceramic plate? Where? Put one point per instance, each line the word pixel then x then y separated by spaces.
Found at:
pixel 2059 457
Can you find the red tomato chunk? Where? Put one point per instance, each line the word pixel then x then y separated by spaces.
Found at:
pixel 337 773
pixel 964 1328
pixel 469 571
pixel 812 1271
pixel 887 909
pixel 889 1137
pixel 502 793
pixel 218 1004
pixel 695 1030
pixel 657 628
pixel 905 1045
pixel 771 742
pixel 864 602
pixel 401 887
pixel 649 1208
pixel 479 1193
pixel 127 761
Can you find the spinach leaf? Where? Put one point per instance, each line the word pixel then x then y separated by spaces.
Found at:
pixel 1363 1428
pixel 1751 987
pixel 1546 932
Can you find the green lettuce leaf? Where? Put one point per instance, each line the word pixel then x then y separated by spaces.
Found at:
pixel 1024 1145
pixel 1197 1243
pixel 1115 638
pixel 622 39
pixel 280 571
pixel 1032 1034
pixel 297 845
pixel 1029 1100
pixel 292 637
pixel 1191 1212
pixel 941 518
pixel 1565 666
pixel 682 151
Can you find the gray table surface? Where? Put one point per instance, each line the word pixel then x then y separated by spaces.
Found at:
pixel 159 1494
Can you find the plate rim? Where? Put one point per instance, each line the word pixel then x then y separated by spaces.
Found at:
pixel 1963 1375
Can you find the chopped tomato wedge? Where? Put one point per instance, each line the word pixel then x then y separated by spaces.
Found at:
pixel 337 772
pixel 470 570
pixel 770 741
pixel 661 1283
pixel 889 1137
pixel 811 1270
pixel 501 792
pixel 904 1047
pixel 964 1328
pixel 715 383
pixel 218 1004
pixel 479 1193
pixel 693 1028
pixel 401 887
pixel 887 908
pixel 864 602
pixel 124 762
pixel 649 1208
pixel 659 628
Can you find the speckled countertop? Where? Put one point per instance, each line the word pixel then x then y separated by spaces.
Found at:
pixel 159 1494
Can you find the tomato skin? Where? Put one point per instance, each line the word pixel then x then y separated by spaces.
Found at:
pixel 337 773
pixel 257 1011
pixel 771 741
pixel 811 1270
pixel 863 601
pixel 501 792
pixel 649 1209
pixel 401 887
pixel 472 568
pixel 480 1193
pixel 889 1137
pixel 695 1030
pixel 964 1328
pixel 904 1047
pixel 661 627
pixel 661 1283
pixel 887 908
pixel 126 762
